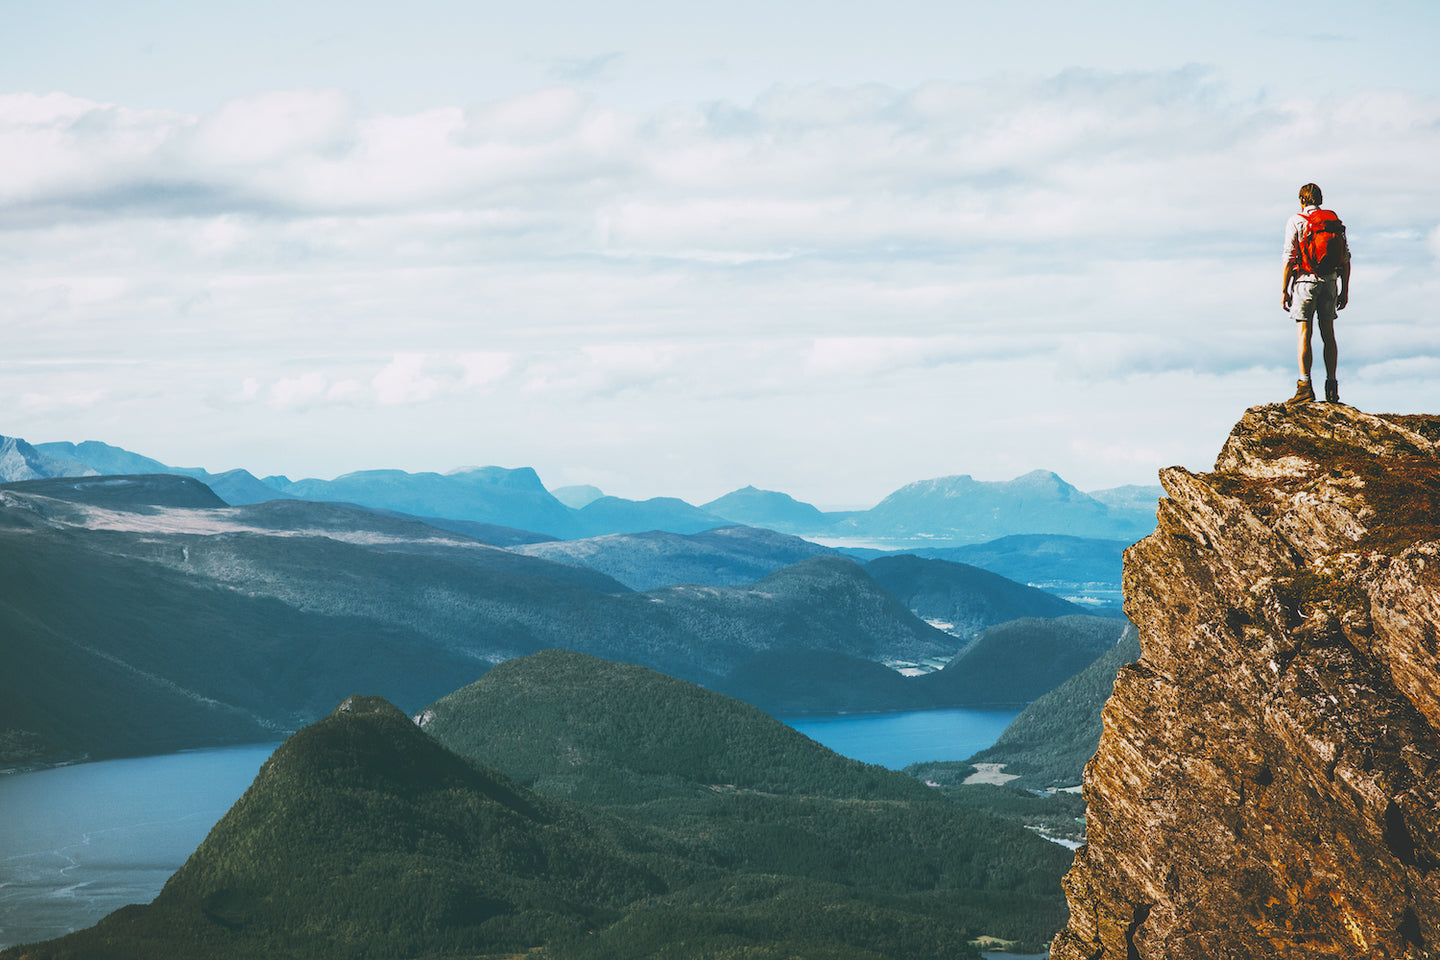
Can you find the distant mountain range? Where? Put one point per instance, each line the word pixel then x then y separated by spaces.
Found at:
pixel 1087 572
pixel 946 511
pixel 964 509
pixel 203 623
pixel 566 808
pixel 725 556
pixel 21 461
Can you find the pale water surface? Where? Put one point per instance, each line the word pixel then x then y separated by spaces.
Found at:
pixel 78 842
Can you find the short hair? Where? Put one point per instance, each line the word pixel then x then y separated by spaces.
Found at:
pixel 1311 196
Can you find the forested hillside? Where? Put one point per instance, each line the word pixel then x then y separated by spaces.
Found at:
pixel 363 836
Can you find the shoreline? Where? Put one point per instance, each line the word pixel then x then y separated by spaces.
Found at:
pixel 16 767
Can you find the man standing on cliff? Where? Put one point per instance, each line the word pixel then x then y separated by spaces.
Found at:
pixel 1316 257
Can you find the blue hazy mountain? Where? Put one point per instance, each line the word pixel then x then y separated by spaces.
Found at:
pixel 496 495
pixel 21 461
pixel 1041 558
pixel 1139 498
pixel 961 508
pixel 768 508
pixel 725 556
pixel 617 515
pixel 103 458
pixel 577 496
pixel 958 509
pixel 947 511
pixel 233 486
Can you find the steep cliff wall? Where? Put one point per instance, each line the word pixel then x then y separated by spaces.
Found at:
pixel 1268 782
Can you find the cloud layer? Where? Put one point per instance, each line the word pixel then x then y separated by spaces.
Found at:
pixel 833 290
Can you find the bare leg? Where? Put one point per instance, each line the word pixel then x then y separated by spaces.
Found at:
pixel 1303 351
pixel 1330 350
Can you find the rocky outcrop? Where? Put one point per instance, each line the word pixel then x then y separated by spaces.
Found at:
pixel 1268 781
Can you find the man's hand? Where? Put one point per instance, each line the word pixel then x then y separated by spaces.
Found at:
pixel 1285 299
pixel 1343 299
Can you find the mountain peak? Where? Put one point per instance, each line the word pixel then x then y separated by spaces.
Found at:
pixel 21 461
pixel 577 496
pixel 1286 705
pixel 962 508
pixel 767 508
pixel 357 704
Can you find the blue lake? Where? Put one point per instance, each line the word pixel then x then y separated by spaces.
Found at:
pixel 896 740
pixel 79 842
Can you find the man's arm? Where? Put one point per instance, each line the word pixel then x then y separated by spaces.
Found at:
pixel 1292 262
pixel 1344 295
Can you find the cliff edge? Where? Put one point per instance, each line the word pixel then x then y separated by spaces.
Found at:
pixel 1268 781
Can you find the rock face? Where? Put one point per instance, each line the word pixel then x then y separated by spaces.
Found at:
pixel 1268 781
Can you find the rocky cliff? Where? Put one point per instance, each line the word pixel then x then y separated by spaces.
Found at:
pixel 1268 781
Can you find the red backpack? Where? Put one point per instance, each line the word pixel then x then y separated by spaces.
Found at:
pixel 1323 250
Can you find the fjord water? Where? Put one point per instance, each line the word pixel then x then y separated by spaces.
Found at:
pixel 896 740
pixel 78 842
pixel 81 841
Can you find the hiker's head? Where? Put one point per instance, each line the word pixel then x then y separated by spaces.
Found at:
pixel 1310 196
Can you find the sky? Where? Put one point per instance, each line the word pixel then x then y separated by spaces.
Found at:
pixel 673 249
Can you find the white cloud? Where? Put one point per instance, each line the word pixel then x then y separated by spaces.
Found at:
pixel 409 378
pixel 270 128
pixel 868 356
pixel 344 391
pixel 222 235
pixel 298 391
pixel 1128 160
pixel 403 382
pixel 51 402
pixel 543 116
pixel 1424 369
pixel 483 368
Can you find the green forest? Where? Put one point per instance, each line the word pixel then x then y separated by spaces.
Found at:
pixel 568 807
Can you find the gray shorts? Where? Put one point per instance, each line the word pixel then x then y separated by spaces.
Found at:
pixel 1313 299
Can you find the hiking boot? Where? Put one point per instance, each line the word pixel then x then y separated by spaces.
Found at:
pixel 1304 393
pixel 1332 391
